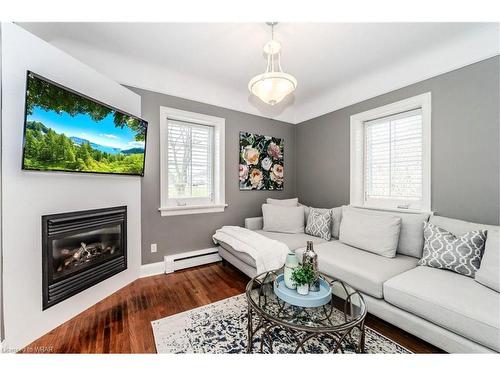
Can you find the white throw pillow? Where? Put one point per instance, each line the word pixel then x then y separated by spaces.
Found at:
pixel 489 270
pixel 292 202
pixel 411 236
pixel 377 234
pixel 283 219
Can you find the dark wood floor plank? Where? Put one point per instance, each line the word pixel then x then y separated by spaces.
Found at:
pixel 121 323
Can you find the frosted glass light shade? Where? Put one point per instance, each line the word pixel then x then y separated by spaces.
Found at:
pixel 272 87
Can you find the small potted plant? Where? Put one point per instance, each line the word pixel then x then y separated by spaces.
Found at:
pixel 302 277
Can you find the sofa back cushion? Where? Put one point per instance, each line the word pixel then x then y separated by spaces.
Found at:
pixel 458 227
pixel 283 219
pixel 292 202
pixel 336 220
pixel 489 270
pixel 377 234
pixel 411 236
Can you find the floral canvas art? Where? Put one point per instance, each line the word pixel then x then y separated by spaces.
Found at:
pixel 261 162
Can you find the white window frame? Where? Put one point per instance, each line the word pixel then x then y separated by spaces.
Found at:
pixel 357 177
pixel 187 206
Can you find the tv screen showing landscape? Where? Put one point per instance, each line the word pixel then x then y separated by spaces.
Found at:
pixel 67 131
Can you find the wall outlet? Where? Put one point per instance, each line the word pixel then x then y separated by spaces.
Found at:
pixel 154 248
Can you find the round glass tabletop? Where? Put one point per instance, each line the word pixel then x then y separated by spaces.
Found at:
pixel 345 310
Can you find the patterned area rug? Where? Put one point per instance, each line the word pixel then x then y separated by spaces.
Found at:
pixel 221 328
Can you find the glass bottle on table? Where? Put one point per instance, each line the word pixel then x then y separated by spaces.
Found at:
pixel 311 258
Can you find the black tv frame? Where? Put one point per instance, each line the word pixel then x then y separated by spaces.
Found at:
pixel 28 72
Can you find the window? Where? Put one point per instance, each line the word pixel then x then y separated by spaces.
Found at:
pixel 390 156
pixel 192 162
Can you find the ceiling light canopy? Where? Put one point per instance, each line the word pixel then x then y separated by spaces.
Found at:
pixel 273 85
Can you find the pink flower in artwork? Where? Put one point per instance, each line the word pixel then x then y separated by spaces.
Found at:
pixel 277 173
pixel 243 172
pixel 256 177
pixel 251 155
pixel 274 151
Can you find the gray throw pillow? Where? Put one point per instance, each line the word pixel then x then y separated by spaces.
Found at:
pixel 319 223
pixel 461 254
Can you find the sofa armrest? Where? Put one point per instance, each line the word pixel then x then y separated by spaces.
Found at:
pixel 254 223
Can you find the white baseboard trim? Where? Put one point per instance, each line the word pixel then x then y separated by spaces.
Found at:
pixel 191 259
pixel 152 269
pixel 180 261
pixel 4 347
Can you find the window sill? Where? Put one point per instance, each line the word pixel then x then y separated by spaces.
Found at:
pixel 191 210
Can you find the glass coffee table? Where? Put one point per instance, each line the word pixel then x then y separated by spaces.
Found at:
pixel 274 325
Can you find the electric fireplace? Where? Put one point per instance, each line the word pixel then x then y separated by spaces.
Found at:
pixel 81 249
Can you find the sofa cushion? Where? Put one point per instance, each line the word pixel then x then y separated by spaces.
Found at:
pixel 319 223
pixel 489 271
pixel 362 270
pixel 377 234
pixel 458 227
pixel 411 236
pixel 450 300
pixel 461 254
pixel 283 219
pixel 293 241
pixel 292 202
pixel 240 255
pixel 336 219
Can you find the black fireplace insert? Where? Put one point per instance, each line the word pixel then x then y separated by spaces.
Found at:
pixel 81 249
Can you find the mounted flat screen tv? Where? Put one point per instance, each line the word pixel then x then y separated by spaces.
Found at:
pixel 70 132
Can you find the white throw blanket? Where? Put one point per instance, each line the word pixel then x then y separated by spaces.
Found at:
pixel 268 254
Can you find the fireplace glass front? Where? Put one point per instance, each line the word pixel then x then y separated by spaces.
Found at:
pixel 81 249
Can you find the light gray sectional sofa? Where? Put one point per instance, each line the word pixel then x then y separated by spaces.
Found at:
pixel 446 309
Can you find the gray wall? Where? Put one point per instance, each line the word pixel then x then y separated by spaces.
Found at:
pixel 465 145
pixel 192 232
pixel 465 158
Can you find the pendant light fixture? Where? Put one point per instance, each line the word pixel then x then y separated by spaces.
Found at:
pixel 273 85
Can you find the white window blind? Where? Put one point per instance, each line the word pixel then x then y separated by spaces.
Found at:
pixel 190 161
pixel 394 158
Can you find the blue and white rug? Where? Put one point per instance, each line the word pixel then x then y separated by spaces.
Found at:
pixel 220 328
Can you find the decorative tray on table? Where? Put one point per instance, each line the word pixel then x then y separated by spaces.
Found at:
pixel 313 299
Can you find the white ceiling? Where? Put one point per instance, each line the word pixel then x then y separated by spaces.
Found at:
pixel 335 64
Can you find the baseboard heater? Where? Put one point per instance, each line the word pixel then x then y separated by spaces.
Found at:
pixel 191 259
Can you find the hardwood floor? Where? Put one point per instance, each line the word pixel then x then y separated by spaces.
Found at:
pixel 121 322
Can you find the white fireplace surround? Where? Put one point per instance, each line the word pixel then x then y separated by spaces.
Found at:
pixel 29 195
